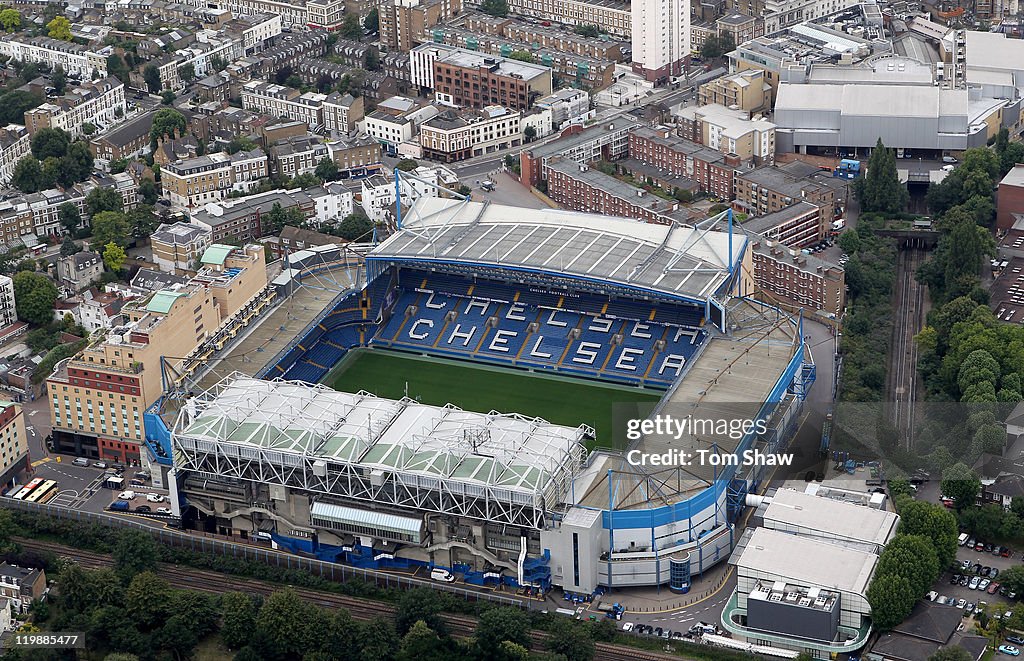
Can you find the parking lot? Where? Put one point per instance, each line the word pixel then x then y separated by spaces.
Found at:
pixel 945 589
pixel 84 487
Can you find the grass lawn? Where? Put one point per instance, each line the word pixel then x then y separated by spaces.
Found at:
pixel 473 387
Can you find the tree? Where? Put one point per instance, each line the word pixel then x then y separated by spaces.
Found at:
pixel 961 484
pixel 494 7
pixel 88 128
pixel 350 28
pixel 69 247
pixel 187 72
pixel 589 31
pixel 113 257
pixel 281 625
pixel 59 28
pixel 143 220
pixel 117 67
pixel 10 20
pixel 134 551
pixel 7 531
pixel 521 55
pixel 167 97
pixel 529 133
pixel 371 23
pixel 76 165
pixel 34 296
pixel 102 199
pixel 110 227
pixel 59 80
pixel 49 142
pixel 303 181
pixel 880 189
pixel 378 640
pixel 148 192
pixel 326 170
pixel 571 640
pixel 371 61
pixel 240 143
pixel 238 619
pixel 148 598
pixel 167 123
pixel 498 625
pixel 28 175
pixel 356 227
pixel 891 598
pixel 120 656
pixel 951 653
pixel 151 75
pixel 716 46
pixel 934 522
pixel 421 643
pixel 914 557
pixel 407 165
pixel 420 605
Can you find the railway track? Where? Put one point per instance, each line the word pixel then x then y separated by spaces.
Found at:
pixel 909 316
pixel 211 582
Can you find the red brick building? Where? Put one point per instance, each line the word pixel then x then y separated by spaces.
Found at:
pixel 581 188
pixel 659 147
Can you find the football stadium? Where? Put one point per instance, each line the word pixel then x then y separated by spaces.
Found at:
pixel 464 409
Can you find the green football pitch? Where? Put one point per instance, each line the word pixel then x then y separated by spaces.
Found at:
pixel 473 387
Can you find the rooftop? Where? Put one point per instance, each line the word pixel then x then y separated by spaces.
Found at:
pixel 831 517
pixel 671 260
pixel 178 233
pixel 1015 177
pixel 806 562
pixel 499 65
pixel 291 417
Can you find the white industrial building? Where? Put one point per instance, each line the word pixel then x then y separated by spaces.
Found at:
pixel 803 572
pixel 800 593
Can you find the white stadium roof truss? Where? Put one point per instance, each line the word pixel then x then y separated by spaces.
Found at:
pixel 504 468
pixel 677 261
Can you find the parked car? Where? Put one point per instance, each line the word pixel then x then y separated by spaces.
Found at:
pixel 1009 650
pixel 143 475
pixel 955 580
pixel 948 159
pixel 1005 552
pixel 119 506
pixel 965 580
pixel 988 548
pixel 947 168
pixel 143 509
pixel 164 510
pixel 992 573
pixel 980 546
pixel 961 603
pixel 970 608
pixel 993 588
pixel 970 543
pixel 100 464
pixel 984 584
pixel 974 583
pixel 136 482
pixel 154 498
pixel 1016 640
pixel 658 631
pixel 627 627
pixel 985 572
pixel 81 461
pixel 932 596
pixel 126 495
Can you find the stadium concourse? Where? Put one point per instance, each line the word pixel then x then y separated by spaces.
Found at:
pixel 501 496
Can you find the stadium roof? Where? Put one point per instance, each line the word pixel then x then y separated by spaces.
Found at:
pixel 671 260
pixel 525 455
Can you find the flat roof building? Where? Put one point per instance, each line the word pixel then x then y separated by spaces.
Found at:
pixel 809 515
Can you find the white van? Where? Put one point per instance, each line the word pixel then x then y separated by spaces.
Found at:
pixel 442 575
pixel 962 539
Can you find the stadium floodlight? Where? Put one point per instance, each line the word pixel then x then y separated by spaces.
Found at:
pixel 412 183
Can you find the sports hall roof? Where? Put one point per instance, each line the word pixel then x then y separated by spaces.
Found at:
pixel 493 449
pixel 672 260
